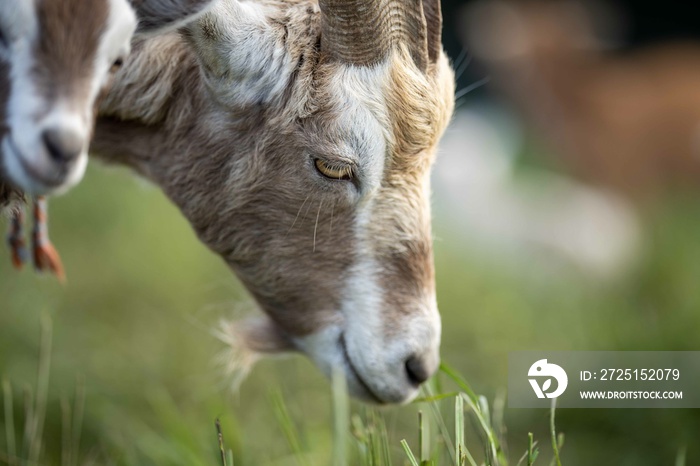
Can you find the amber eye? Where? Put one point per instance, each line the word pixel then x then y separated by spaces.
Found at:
pixel 117 64
pixel 333 171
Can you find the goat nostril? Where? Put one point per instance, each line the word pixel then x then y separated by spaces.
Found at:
pixel 417 370
pixel 63 145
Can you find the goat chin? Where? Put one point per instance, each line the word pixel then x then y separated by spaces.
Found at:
pixel 246 342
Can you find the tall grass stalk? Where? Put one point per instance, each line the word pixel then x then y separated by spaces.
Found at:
pixel 680 457
pixel 9 423
pixel 557 441
pixel 341 418
pixel 288 428
pixel 42 390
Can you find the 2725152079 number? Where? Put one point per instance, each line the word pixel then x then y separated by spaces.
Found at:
pixel 639 374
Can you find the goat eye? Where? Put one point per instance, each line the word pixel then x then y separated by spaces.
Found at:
pixel 117 64
pixel 333 171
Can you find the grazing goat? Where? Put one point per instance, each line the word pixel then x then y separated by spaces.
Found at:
pixel 55 58
pixel 297 138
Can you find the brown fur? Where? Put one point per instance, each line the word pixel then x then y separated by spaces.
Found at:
pixel 67 46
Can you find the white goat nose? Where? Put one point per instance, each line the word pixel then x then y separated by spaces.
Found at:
pixel 64 145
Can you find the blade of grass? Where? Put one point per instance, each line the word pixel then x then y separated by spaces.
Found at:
pixel 384 437
pixel 411 457
pixel 42 388
pixel 431 399
pixel 483 406
pixel 533 451
pixel 459 430
pixel 680 457
pixel 359 434
pixel 422 453
pixel 28 398
pixel 379 444
pixel 462 452
pixel 78 411
pixel 498 423
pixel 9 423
pixel 555 444
pixel 492 441
pixel 428 442
pixel 287 425
pixel 442 427
pixel 66 429
pixel 220 438
pixel 456 378
pixel 371 439
pixel 341 418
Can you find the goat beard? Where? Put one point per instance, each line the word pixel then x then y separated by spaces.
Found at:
pixel 246 342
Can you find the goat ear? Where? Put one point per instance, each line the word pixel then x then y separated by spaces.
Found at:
pixel 236 39
pixel 157 16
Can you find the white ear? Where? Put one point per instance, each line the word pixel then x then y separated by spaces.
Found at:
pixel 241 47
pixel 158 16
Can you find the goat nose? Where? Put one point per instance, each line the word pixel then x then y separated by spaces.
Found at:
pixel 64 145
pixel 420 369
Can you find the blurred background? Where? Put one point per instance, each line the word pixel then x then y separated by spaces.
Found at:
pixel 566 216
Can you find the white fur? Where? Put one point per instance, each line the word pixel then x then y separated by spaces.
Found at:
pixel 240 75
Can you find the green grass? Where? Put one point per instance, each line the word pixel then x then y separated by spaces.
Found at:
pixel 362 427
pixel 133 380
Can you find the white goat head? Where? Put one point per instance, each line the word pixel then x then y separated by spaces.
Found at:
pixel 298 142
pixel 55 58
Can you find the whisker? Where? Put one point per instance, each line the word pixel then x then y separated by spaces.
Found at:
pixel 330 231
pixel 318 215
pixel 297 217
pixel 460 58
pixel 459 70
pixel 472 87
pixel 308 208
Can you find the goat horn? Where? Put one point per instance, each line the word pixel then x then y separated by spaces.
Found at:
pixel 362 32
pixel 433 19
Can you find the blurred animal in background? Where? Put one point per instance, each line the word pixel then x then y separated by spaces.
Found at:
pixel 532 215
pixel 625 121
pixel 297 138
pixel 55 58
pixel 625 124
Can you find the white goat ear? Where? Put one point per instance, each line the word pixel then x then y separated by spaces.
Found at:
pixel 235 40
pixel 157 16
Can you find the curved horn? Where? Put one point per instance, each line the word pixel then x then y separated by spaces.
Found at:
pixel 362 32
